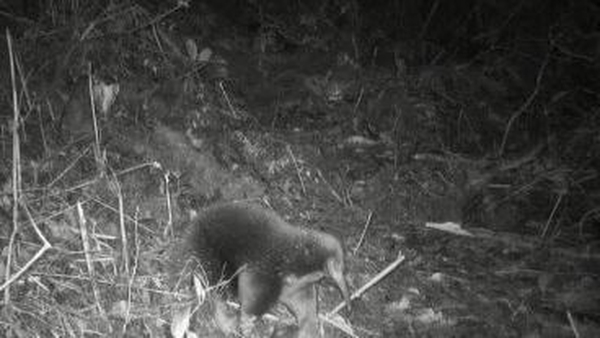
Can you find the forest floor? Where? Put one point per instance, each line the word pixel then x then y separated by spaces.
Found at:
pixel 393 160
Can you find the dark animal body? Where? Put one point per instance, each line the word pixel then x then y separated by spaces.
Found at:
pixel 268 259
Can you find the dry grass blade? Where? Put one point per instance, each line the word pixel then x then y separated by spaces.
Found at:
pixel 97 154
pixel 134 270
pixel 16 170
pixel 338 324
pixel 88 260
pixel 16 188
pixel 116 188
pixel 169 227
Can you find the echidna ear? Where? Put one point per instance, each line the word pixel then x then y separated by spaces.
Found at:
pixel 335 269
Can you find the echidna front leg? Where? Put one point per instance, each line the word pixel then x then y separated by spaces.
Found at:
pixel 302 302
pixel 257 291
pixel 225 318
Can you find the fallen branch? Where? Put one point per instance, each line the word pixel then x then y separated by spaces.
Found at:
pixel 372 282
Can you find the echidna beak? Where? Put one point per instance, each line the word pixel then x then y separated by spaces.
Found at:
pixel 335 269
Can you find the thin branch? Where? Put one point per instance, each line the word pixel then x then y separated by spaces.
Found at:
pixel 430 16
pixel 68 168
pixel 333 192
pixel 573 325
pixel 525 105
pixel 234 113
pixel 552 213
pixel 27 265
pixel 364 232
pixel 298 171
